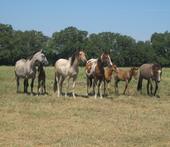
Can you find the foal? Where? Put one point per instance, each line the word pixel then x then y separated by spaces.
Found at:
pixel 124 75
pixel 41 80
pixel 108 71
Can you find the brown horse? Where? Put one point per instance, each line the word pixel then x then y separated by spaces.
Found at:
pixel 124 75
pixel 108 71
pixel 41 80
pixel 150 72
pixel 95 71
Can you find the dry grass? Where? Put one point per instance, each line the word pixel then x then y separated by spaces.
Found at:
pixel 134 120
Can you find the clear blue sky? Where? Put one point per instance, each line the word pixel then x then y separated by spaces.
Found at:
pixel 137 18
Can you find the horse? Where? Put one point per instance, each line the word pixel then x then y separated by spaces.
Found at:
pixel 90 69
pixel 124 75
pixel 26 69
pixel 108 71
pixel 41 80
pixel 149 72
pixel 67 69
pixel 95 72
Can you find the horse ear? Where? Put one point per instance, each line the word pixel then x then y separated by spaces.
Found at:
pixel 41 50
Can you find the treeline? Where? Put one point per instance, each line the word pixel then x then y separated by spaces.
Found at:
pixel 124 50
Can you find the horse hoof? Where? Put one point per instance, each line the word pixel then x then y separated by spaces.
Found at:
pixel 157 96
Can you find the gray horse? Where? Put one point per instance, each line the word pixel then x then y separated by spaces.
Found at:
pixel 26 69
pixel 150 72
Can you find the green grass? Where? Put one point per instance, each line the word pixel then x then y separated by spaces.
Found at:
pixel 130 120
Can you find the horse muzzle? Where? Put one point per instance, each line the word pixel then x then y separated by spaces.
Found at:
pixel 45 62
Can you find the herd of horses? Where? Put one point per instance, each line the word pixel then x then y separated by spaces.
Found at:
pixel 99 73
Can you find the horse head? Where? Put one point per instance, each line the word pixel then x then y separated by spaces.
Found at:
pixel 105 58
pixel 114 68
pixel 40 58
pixel 157 72
pixel 82 56
pixel 134 71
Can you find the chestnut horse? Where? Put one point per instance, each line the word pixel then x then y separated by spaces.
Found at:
pixel 124 75
pixel 150 72
pixel 108 71
pixel 95 72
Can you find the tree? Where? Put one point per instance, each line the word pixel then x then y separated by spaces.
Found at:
pixel 161 45
pixel 65 42
pixel 6 46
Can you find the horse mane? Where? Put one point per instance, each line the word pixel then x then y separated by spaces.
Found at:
pixel 156 66
pixel 31 56
pixel 73 57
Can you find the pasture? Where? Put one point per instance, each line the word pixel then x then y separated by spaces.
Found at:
pixel 124 120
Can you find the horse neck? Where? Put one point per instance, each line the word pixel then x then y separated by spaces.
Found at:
pixel 75 63
pixel 131 74
pixel 32 63
pixel 100 65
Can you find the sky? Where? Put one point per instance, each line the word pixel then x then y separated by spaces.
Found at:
pixel 136 18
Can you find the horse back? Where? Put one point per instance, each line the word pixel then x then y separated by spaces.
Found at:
pixel 145 71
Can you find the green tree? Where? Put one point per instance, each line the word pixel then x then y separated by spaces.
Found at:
pixel 6 45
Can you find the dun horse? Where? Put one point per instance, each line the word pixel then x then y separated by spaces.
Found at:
pixel 124 75
pixel 41 80
pixel 95 70
pixel 150 72
pixel 67 69
pixel 108 71
pixel 26 69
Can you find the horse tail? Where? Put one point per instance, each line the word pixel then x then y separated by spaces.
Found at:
pixel 55 84
pixel 139 87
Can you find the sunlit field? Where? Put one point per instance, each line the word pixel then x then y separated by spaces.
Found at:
pixel 116 120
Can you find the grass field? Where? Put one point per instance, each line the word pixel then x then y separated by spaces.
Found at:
pixel 131 120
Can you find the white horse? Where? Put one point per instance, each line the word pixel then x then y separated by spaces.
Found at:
pixel 26 69
pixel 67 69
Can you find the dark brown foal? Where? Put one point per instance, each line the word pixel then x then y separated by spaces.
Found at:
pixel 41 80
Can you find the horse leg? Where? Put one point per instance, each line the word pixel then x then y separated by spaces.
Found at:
pixel 17 80
pixel 100 88
pixel 126 85
pixel 156 88
pixel 25 85
pixel 104 93
pixel 44 87
pixel 32 85
pixel 139 87
pixel 58 84
pixel 148 83
pixel 74 83
pixel 94 86
pixel 55 83
pixel 88 83
pixel 151 87
pixel 67 89
pixel 61 84
pixel 38 88
pixel 116 86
